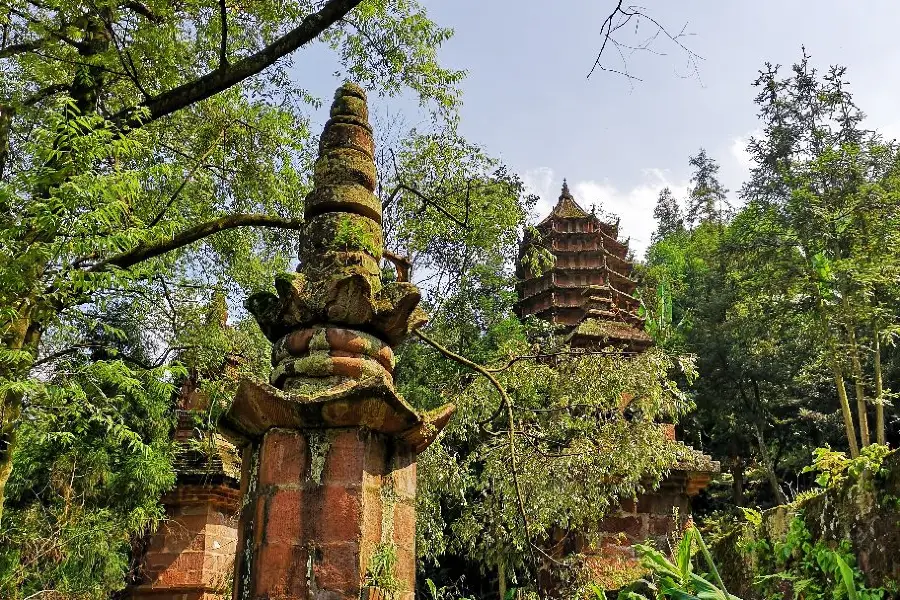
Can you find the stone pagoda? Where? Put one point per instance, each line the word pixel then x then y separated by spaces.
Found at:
pixel 191 555
pixel 588 294
pixel 588 291
pixel 329 447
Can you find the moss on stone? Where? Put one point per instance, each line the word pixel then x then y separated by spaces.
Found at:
pixel 860 511
pixel 354 233
pixel 319 342
pixel 330 237
pixel 319 441
pixel 346 104
pixel 388 502
pixel 348 88
pixel 353 198
pixel 345 166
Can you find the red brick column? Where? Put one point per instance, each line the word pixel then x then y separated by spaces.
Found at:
pixel 322 504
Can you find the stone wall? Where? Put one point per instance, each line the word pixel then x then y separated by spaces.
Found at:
pixel 864 511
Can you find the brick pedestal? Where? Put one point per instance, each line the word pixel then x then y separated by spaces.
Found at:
pixel 322 505
pixel 191 556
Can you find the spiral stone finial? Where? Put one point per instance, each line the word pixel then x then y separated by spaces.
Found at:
pixel 343 232
pixel 338 281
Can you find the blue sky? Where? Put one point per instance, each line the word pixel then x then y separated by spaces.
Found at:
pixel 527 98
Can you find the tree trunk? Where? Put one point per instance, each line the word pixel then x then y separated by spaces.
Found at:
pixel 769 466
pixel 23 335
pixel 737 481
pixel 861 408
pixel 845 407
pixel 5 127
pixel 879 390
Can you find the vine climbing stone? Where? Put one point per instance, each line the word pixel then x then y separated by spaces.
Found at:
pixel 329 446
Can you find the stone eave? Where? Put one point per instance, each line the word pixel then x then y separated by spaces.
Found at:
pixel 370 403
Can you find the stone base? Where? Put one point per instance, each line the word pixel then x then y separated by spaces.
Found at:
pixel 191 556
pixel 322 505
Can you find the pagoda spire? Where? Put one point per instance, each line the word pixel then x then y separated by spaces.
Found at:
pixel 565 191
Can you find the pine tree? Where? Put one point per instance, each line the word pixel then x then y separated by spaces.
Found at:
pixel 668 215
pixel 706 197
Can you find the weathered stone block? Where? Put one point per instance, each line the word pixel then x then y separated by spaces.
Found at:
pixel 284 577
pixel 283 518
pixel 404 521
pixel 337 568
pixel 347 456
pixel 404 475
pixel 341 517
pixel 633 527
pixel 283 457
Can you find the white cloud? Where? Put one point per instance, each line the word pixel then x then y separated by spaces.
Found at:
pixel 540 182
pixel 739 150
pixel 634 206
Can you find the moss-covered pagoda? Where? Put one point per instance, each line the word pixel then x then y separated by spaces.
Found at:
pixel 588 292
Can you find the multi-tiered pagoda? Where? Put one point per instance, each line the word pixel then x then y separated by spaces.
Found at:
pixel 588 292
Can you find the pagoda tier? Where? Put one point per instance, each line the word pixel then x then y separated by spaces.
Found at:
pixel 589 291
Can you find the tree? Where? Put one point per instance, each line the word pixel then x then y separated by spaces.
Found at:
pixel 97 451
pixel 667 214
pixel 823 205
pixel 706 198
pixel 545 439
pixel 131 131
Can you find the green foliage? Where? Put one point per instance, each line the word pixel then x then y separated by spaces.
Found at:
pixel 783 301
pixel 835 468
pixel 381 572
pixel 93 459
pixel 576 454
pixel 678 580
pixel 707 196
pixel 668 215
pixel 800 567
pixel 351 235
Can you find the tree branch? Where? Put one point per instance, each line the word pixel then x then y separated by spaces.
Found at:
pixel 197 164
pixel 45 93
pixel 223 44
pixel 616 21
pixel 147 251
pixel 21 48
pixel 507 404
pixel 221 79
pixel 142 10
pixel 402 264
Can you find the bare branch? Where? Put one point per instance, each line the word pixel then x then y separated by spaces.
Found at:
pixel 613 26
pixel 426 200
pixel 223 44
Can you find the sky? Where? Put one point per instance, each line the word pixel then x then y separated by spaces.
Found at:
pixel 618 141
